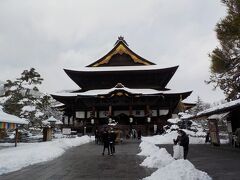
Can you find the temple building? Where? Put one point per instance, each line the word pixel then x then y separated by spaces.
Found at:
pixel 121 89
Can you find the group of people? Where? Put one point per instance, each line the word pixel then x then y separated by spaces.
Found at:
pixel 108 139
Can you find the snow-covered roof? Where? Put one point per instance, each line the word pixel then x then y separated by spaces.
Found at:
pixel 4 117
pixel 120 68
pixel 220 107
pixel 107 91
pixel 57 105
pixel 218 116
pixel 50 120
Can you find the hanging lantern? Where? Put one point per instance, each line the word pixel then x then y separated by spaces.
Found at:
pixel 149 119
pixel 130 119
pixel 92 121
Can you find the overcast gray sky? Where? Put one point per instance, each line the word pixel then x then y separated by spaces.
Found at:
pixel 50 35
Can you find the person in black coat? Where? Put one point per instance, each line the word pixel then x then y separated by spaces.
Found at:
pixel 112 138
pixel 183 140
pixel 105 139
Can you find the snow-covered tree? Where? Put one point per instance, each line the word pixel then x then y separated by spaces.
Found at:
pixel 23 98
pixel 225 59
pixel 200 106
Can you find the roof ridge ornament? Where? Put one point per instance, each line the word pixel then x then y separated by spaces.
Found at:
pixel 121 39
pixel 119 85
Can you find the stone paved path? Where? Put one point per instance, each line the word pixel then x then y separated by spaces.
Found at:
pixel 221 163
pixel 86 163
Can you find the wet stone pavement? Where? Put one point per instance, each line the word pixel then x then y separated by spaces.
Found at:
pixel 87 163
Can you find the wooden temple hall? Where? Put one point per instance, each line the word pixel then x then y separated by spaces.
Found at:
pixel 121 89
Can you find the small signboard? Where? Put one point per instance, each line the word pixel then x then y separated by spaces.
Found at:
pixel 66 131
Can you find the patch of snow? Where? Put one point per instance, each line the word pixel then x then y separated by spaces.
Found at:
pixel 4 99
pixel 221 106
pixel 38 114
pixel 168 168
pixel 147 148
pixel 4 117
pixel 174 127
pixel 23 155
pixel 158 159
pixel 107 91
pixel 29 108
pixel 51 120
pixel 13 88
pixel 174 121
pixel 179 170
pixel 120 68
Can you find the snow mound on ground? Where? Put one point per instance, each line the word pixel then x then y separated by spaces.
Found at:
pixel 147 148
pixel 158 159
pixel 168 168
pixel 13 159
pixel 179 170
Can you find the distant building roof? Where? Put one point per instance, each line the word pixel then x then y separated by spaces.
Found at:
pixel 220 109
pixel 8 118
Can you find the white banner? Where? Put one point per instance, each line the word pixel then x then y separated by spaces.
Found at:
pixel 154 113
pixel 163 112
pixel 80 114
pixel 66 131
pixel 103 114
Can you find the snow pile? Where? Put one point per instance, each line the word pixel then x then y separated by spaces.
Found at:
pixel 158 159
pixel 179 170
pixel 147 148
pixel 167 167
pixel 13 159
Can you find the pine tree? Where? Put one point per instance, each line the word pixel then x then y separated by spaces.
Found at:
pixel 24 99
pixel 200 106
pixel 225 59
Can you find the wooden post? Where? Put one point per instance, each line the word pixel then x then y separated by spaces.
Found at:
pixel 130 110
pixel 109 110
pixel 16 137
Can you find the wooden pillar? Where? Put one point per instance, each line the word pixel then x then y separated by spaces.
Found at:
pixel 93 112
pixel 110 110
pixel 130 110
pixel 16 137
pixel 147 113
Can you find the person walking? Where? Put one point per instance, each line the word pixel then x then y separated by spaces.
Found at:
pixel 112 138
pixel 183 140
pixel 96 136
pixel 105 138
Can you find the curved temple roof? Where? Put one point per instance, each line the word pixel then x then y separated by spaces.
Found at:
pixel 121 55
pixel 107 77
pixel 98 93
